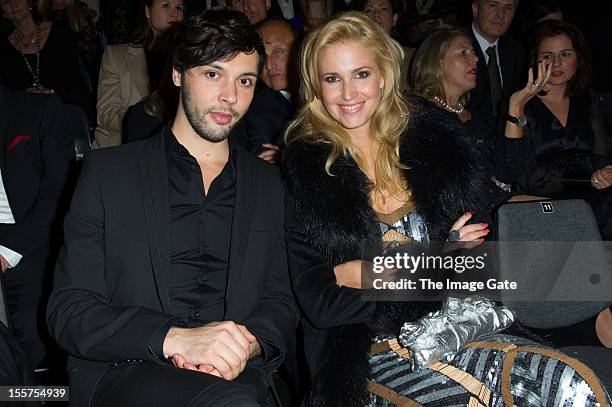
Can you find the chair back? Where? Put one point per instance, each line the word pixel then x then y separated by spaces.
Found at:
pixel 554 251
pixel 76 119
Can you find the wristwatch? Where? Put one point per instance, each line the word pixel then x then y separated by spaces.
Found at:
pixel 520 121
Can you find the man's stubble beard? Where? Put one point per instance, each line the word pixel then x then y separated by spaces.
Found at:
pixel 198 120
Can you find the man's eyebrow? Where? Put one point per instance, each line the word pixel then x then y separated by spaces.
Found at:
pixel 220 68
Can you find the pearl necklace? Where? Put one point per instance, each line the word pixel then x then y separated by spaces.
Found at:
pixel 459 109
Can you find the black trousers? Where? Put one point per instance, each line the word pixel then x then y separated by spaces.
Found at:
pixel 152 384
pixel 15 367
pixel 26 288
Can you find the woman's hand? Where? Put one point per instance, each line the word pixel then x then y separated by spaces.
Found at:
pixel 602 178
pixel 519 99
pixel 460 232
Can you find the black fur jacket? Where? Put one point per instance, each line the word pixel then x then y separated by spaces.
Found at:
pixel 330 217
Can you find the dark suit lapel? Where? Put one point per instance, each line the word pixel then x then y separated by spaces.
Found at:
pixel 505 63
pixel 243 208
pixel 154 176
pixel 481 91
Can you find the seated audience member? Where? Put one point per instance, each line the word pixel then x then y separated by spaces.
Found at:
pixel 275 99
pixel 500 65
pixel 129 71
pixel 341 158
pixel 569 142
pixel 173 287
pixel 386 13
pixel 280 67
pixel 76 16
pixel 255 10
pixel 444 72
pixel 35 161
pixel 353 179
pixel 41 57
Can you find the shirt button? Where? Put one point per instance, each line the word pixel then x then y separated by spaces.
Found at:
pixel 196 314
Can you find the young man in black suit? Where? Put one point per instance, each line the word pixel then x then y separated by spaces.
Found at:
pixel 500 60
pixel 36 153
pixel 173 288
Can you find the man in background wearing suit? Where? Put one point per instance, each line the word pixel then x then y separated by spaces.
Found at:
pixel 173 287
pixel 500 60
pixel 272 106
pixel 36 153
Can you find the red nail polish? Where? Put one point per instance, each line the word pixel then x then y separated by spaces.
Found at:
pixel 484 225
pixel 486 230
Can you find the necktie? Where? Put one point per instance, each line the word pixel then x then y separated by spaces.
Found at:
pixel 494 80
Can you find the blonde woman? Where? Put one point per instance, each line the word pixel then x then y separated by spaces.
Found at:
pixel 355 178
pixel 350 182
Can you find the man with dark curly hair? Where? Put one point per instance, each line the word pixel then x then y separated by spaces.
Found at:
pixel 173 288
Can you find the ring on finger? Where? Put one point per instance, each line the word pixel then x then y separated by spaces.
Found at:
pixel 536 85
pixel 454 236
pixel 595 180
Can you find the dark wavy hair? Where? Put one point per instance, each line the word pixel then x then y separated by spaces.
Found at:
pixel 142 34
pixel 214 35
pixel 552 28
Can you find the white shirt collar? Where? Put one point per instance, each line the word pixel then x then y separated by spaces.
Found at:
pixel 286 94
pixel 483 43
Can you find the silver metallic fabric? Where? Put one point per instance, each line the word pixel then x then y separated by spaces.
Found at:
pixel 440 335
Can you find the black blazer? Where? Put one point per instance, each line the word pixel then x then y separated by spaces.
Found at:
pixel 512 63
pixel 111 293
pixel 36 153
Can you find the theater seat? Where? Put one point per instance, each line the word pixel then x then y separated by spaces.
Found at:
pixel 76 120
pixel 554 249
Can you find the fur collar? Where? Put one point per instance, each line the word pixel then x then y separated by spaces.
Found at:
pixel 442 171
pixel 334 211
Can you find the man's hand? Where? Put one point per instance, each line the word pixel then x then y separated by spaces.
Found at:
pixel 272 154
pixel 179 361
pixel 5 264
pixel 224 346
pixel 348 274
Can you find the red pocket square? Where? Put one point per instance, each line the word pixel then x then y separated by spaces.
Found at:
pixel 17 140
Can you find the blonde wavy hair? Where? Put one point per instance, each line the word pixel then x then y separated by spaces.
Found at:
pixel 314 124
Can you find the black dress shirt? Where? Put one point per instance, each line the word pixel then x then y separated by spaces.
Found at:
pixel 200 227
